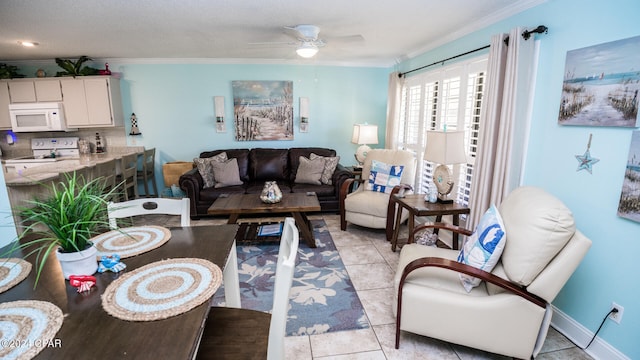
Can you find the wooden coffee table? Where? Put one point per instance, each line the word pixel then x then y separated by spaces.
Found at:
pixel 298 204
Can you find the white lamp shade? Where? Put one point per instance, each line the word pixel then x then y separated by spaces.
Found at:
pixel 307 50
pixel 445 147
pixel 364 134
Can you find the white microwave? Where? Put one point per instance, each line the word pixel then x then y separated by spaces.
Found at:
pixel 34 117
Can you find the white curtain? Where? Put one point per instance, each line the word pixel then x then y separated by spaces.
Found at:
pixel 504 122
pixel 394 100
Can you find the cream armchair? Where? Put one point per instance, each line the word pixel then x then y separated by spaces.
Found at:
pixel 370 208
pixel 509 312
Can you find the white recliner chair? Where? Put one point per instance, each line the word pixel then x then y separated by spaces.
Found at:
pixel 371 208
pixel 509 312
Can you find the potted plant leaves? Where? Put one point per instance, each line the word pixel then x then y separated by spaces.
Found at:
pixel 9 72
pixel 64 223
pixel 74 68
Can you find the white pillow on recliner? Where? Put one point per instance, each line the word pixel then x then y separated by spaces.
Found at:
pixel 483 248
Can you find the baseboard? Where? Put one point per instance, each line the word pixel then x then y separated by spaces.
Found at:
pixel 580 335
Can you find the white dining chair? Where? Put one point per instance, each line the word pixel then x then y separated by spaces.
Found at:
pixel 147 206
pixel 250 334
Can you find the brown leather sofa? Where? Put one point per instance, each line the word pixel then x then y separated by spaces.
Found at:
pixel 259 165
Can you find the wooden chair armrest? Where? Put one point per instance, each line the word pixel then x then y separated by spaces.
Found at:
pixel 461 268
pixel 468 270
pixel 391 207
pixel 440 225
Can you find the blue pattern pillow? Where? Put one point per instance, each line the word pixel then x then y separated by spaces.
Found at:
pixel 484 247
pixel 383 177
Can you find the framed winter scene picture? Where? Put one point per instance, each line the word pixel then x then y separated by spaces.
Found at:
pixel 601 83
pixel 263 110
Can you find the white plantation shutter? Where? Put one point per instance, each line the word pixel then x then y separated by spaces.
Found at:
pixel 449 97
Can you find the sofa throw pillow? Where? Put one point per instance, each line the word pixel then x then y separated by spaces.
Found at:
pixel 309 171
pixel 330 164
pixel 206 170
pixel 383 177
pixel 226 173
pixel 484 247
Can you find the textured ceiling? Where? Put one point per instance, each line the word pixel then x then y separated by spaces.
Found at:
pixel 224 29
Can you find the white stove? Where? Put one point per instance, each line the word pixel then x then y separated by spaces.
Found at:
pixel 45 151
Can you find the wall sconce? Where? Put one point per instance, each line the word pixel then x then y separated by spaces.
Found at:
pixel 304 114
pixel 134 125
pixel 218 102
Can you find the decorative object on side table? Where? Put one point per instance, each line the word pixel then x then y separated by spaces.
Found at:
pixel 444 148
pixel 271 193
pixel 64 223
pixel 364 134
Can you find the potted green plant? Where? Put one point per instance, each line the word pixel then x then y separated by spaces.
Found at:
pixel 74 68
pixel 65 222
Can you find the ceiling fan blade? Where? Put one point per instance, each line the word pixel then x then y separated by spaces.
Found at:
pixel 304 32
pixel 346 39
pixel 273 44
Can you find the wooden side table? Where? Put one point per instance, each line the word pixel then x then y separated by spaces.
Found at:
pixel 356 171
pixel 417 206
pixel 357 174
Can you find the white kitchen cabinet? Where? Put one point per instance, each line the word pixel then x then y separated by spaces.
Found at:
pixel 5 121
pixel 92 102
pixel 48 90
pixel 34 90
pixel 22 91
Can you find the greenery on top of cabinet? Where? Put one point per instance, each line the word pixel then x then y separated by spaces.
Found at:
pixel 9 72
pixel 75 68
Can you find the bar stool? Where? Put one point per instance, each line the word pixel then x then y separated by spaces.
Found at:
pixel 148 172
pixel 128 177
pixel 106 170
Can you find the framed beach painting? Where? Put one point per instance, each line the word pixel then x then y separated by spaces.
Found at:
pixel 629 206
pixel 601 83
pixel 263 110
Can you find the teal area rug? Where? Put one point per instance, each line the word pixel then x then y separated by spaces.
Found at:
pixel 322 298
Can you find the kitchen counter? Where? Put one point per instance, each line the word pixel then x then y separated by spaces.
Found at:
pixel 36 182
pixel 52 171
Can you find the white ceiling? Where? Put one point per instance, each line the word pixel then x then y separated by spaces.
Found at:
pixel 222 29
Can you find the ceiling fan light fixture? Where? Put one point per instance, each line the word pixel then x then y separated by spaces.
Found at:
pixel 307 50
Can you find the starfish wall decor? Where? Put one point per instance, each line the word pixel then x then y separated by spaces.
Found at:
pixel 585 160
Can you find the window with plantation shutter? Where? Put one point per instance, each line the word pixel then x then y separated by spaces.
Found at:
pixel 448 98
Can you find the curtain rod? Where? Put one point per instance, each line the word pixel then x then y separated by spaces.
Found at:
pixel 442 61
pixel 525 35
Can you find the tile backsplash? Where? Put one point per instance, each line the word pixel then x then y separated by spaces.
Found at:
pixel 114 136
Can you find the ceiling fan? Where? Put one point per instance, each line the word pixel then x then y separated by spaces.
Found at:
pixel 308 43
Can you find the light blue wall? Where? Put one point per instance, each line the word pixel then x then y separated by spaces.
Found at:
pixel 174 105
pixel 608 272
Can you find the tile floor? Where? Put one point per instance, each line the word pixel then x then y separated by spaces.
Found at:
pixel 371 265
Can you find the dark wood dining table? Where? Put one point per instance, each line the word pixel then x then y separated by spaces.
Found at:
pixel 88 332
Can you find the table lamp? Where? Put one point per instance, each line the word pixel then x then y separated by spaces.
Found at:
pixel 444 148
pixel 364 134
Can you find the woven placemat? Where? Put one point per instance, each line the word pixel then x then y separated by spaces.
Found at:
pixel 27 327
pixel 12 272
pixel 162 289
pixel 131 241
